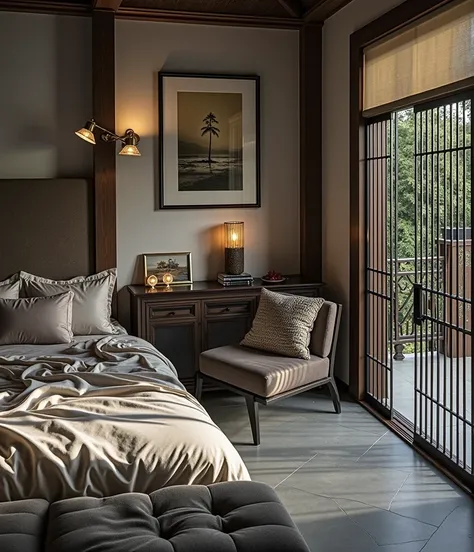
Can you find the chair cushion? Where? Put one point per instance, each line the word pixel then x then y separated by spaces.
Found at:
pixel 323 331
pixel 260 373
pixel 283 324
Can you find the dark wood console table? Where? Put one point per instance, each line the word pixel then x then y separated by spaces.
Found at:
pixel 189 319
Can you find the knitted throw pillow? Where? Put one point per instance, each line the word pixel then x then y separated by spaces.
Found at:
pixel 283 324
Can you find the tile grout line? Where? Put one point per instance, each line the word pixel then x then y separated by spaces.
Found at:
pixel 355 522
pixel 441 524
pixel 398 491
pixel 371 447
pixel 294 471
pixel 373 506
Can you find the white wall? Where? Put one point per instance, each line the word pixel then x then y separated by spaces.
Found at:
pixel 45 94
pixel 336 36
pixel 271 232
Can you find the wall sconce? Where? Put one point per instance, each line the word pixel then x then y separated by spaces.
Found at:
pixel 129 140
pixel 234 247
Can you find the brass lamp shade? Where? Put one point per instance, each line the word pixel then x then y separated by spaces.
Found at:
pixel 130 144
pixel 87 132
pixel 233 235
pixel 234 247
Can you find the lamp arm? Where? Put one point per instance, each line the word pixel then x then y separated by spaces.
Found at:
pixel 109 136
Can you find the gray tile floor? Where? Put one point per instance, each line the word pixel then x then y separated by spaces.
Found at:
pixel 349 484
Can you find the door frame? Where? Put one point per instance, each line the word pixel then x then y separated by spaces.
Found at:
pixel 402 15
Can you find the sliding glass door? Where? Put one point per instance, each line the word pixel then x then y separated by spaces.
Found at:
pixel 418 274
pixel 442 292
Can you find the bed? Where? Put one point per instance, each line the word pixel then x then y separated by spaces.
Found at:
pixel 103 414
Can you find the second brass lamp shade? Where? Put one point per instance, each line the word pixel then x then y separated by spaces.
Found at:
pixel 234 247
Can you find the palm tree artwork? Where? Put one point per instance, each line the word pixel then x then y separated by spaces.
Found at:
pixel 210 121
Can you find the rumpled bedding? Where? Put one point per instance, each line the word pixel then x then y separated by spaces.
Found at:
pixel 102 417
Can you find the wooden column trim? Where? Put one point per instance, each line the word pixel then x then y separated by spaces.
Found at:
pixel 402 15
pixel 107 4
pixel 311 150
pixel 103 78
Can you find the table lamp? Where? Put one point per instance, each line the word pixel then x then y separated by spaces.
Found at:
pixel 234 247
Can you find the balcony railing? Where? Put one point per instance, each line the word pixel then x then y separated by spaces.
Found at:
pixel 429 272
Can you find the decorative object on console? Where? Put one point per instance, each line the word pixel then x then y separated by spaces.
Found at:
pixel 272 277
pixel 152 280
pixel 168 279
pixel 168 268
pixel 234 247
pixel 243 279
pixel 129 140
pixel 209 141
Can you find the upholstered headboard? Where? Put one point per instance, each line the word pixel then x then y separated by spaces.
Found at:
pixel 47 227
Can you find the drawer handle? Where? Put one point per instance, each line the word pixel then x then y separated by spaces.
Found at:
pixel 227 309
pixel 172 313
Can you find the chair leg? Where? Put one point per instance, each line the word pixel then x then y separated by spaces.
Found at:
pixel 335 396
pixel 198 390
pixel 252 407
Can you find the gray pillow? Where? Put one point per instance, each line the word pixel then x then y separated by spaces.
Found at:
pixel 10 289
pixel 283 324
pixel 92 305
pixel 38 320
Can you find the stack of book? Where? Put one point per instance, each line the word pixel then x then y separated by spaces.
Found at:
pixel 243 279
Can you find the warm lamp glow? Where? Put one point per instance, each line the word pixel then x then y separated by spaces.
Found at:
pixel 234 234
pixel 130 150
pixel 86 133
pixel 152 280
pixel 168 279
pixel 130 144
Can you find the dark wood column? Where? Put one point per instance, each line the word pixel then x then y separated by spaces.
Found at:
pixel 310 150
pixel 103 74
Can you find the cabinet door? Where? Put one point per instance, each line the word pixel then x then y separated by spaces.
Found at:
pixel 227 321
pixel 180 342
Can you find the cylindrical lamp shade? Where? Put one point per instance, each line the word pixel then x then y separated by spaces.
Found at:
pixel 234 247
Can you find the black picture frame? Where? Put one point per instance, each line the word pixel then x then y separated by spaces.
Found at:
pixel 165 181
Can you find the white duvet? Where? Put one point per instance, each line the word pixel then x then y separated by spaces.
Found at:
pixel 103 417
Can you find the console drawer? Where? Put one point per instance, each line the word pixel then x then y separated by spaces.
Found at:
pixel 229 307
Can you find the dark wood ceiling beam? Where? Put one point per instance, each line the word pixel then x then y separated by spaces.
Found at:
pixel 175 16
pixel 40 6
pixel 107 4
pixel 323 9
pixel 293 7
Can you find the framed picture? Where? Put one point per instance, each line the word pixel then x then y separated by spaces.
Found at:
pixel 176 264
pixel 209 141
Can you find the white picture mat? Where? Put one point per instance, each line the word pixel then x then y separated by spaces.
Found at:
pixel 170 89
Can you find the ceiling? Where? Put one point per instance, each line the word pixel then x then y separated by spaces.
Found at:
pixel 285 13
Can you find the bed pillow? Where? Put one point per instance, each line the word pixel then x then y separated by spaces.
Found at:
pixel 283 324
pixel 38 320
pixel 10 289
pixel 92 305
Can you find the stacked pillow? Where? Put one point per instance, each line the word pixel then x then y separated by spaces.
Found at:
pixel 40 310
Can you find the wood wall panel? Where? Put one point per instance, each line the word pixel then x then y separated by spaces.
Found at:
pixel 103 75
pixel 311 151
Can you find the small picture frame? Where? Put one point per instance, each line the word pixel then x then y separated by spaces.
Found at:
pixel 177 264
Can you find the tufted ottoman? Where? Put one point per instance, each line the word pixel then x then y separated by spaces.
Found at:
pixel 240 516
